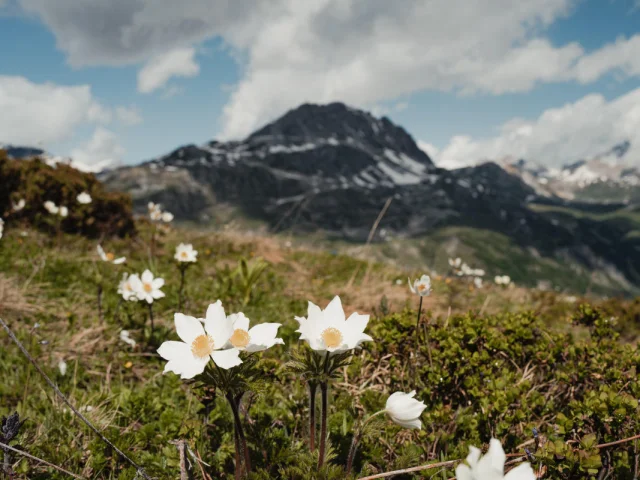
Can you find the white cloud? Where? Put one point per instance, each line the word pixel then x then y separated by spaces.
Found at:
pixel 175 63
pixel 41 113
pixel 101 151
pixel 128 115
pixel 583 129
pixel 429 149
pixel 294 51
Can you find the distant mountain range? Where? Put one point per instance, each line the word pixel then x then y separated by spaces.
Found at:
pixel 332 168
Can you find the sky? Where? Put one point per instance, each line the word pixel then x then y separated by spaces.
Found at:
pixel 123 81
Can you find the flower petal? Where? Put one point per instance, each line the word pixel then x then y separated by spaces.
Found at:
pixel 180 360
pixel 334 313
pixel 157 283
pixel 521 472
pixel 239 321
pixel 227 358
pixel 218 325
pixel 263 336
pixel 463 473
pixel 120 260
pixel 147 276
pixel 188 328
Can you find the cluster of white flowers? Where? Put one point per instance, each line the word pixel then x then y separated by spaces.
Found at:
pixel 157 214
pixel 84 198
pixel 462 269
pixel 143 287
pixel 19 205
pixel 502 280
pixel 54 209
pixel 109 257
pixel 186 254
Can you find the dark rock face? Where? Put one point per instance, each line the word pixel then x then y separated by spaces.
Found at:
pixel 332 168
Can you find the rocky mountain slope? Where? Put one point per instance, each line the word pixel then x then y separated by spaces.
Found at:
pixel 332 168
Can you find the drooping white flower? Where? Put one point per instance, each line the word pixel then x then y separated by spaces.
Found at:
pixel 84 198
pixel 200 343
pixel 255 339
pixel 124 336
pixel 404 409
pixel 186 253
pixel 19 205
pixel 51 207
pixel 491 466
pixel 328 330
pixel 125 287
pixel 62 367
pixel 421 286
pixel 64 211
pixel 477 281
pixel 167 217
pixel 110 257
pixel 147 287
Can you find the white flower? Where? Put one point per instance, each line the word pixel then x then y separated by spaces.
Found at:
pixel 167 217
pixel 19 205
pixel 455 262
pixel 1 227
pixel 152 206
pixel 255 339
pixel 405 410
pixel 125 287
pixel 477 281
pixel 328 330
pixel 124 336
pixel 186 253
pixel 491 466
pixel 110 257
pixel 156 215
pixel 421 286
pixel 200 344
pixel 64 211
pixel 51 207
pixel 147 287
pixel 62 367
pixel 502 279
pixel 84 198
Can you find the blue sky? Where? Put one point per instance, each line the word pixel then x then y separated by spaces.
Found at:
pixel 464 94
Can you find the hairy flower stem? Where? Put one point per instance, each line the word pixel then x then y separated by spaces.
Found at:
pixel 313 388
pixel 240 432
pixel 100 312
pixel 238 471
pixel 418 320
pixel 323 422
pixel 183 271
pixel 357 436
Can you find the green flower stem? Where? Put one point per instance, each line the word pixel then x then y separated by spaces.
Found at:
pixel 418 319
pixel 240 432
pixel 150 305
pixel 313 387
pixel 183 271
pixel 357 436
pixel 323 422
pixel 238 471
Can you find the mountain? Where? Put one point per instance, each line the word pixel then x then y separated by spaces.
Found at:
pixel 332 168
pixel 602 178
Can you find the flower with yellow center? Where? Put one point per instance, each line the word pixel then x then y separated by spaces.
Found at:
pixel 329 331
pixel 147 287
pixel 200 343
pixel 254 339
pixel 110 257
pixel 125 287
pixel 421 286
pixel 185 253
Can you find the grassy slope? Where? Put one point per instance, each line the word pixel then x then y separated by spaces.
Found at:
pixel 132 402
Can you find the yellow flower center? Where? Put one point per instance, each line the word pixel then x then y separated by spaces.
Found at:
pixel 422 287
pixel 127 287
pixel 240 338
pixel 202 346
pixel 332 337
pixel 184 254
pixel 148 287
pixel 110 256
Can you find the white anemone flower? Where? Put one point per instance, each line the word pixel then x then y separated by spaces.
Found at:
pixel 19 205
pixel 328 330
pixel 200 343
pixel 147 287
pixel 491 466
pixel 51 207
pixel 64 211
pixel 110 257
pixel 125 287
pixel 62 367
pixel 502 279
pixel 185 253
pixel 84 198
pixel 455 262
pixel 255 339
pixel 477 281
pixel 167 217
pixel 126 338
pixel 404 409
pixel 421 286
